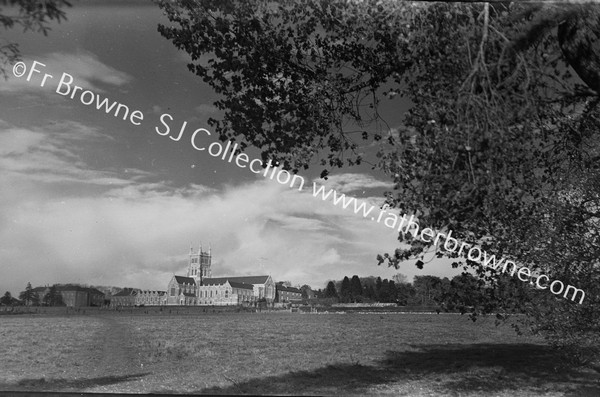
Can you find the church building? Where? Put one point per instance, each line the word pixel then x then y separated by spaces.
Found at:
pixel 200 288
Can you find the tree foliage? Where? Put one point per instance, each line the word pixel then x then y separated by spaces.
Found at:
pixel 29 296
pixel 501 144
pixel 53 297
pixel 29 15
pixel 330 291
pixel 356 289
pixel 6 299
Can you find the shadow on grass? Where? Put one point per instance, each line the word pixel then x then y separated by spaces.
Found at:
pixel 40 384
pixel 446 369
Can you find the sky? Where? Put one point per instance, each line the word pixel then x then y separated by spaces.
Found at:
pixel 87 197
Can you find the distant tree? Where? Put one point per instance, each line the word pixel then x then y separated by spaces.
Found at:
pixel 428 289
pixel 330 291
pixel 29 296
pixel 53 297
pixel 306 291
pixel 285 283
pixel 345 293
pixel 392 292
pixel 378 285
pixel 30 15
pixel 384 292
pixel 356 289
pixel 6 299
pixel 369 292
pixel 464 293
pixel 405 293
pixel 400 278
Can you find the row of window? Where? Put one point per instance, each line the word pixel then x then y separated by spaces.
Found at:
pixel 195 272
pixel 203 262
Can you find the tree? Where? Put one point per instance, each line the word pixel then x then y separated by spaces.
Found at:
pixel 428 289
pixel 384 291
pixel 405 293
pixel 378 287
pixel 392 292
pixel 307 291
pixel 6 299
pixel 501 144
pixel 330 291
pixel 53 297
pixel 400 278
pixel 29 296
pixel 345 292
pixel 30 15
pixel 356 289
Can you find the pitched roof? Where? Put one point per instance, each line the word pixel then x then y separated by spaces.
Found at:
pixel 235 284
pixel 149 291
pixel 288 289
pixel 243 279
pixel 185 280
pixel 94 291
pixel 127 292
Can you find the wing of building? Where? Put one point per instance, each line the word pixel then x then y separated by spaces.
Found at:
pixel 126 297
pixel 74 295
pixel 288 294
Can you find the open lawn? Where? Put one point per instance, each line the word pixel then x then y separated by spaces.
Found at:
pixel 280 353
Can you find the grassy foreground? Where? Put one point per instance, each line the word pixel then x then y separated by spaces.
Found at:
pixel 281 353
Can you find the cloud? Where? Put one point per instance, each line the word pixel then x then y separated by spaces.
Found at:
pixel 352 182
pixel 87 70
pixel 139 235
pixel 52 154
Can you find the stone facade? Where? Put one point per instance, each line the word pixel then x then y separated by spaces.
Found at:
pixel 182 291
pixel 151 298
pixel 288 294
pixel 224 293
pixel 74 295
pixel 261 287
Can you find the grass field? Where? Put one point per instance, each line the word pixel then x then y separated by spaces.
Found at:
pixel 280 353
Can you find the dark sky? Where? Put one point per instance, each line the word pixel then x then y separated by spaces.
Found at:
pixel 88 197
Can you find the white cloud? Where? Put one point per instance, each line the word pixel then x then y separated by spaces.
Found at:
pixel 52 154
pixel 87 70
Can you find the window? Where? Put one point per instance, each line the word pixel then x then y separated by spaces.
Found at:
pixel 173 291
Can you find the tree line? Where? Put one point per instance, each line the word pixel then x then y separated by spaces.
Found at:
pixel 461 293
pixel 29 297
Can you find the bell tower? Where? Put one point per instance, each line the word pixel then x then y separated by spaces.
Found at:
pixel 200 264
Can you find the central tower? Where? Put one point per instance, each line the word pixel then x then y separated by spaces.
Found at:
pixel 199 266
